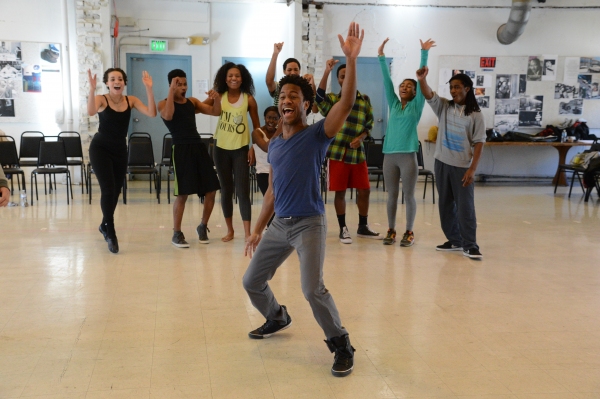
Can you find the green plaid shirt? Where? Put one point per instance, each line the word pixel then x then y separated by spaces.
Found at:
pixel 360 120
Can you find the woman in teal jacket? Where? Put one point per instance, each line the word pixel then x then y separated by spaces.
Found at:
pixel 401 145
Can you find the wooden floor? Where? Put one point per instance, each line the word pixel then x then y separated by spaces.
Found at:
pixel 156 321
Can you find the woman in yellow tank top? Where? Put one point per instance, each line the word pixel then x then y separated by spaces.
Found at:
pixel 233 155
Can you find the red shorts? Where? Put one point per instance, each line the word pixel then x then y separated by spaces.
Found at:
pixel 343 175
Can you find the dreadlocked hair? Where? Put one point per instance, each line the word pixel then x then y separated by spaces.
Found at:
pixel 220 83
pixel 307 91
pixel 470 100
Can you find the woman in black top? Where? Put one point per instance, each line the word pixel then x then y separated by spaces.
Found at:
pixel 108 150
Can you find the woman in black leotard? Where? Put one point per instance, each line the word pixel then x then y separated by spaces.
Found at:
pixel 108 150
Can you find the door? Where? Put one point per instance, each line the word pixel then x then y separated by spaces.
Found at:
pixel 370 82
pixel 258 69
pixel 158 66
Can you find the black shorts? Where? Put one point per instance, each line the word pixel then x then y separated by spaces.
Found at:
pixel 194 170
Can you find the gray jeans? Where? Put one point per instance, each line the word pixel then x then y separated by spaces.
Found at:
pixel 457 205
pixel 307 236
pixel 396 166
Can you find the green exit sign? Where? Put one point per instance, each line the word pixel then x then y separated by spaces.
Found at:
pixel 159 46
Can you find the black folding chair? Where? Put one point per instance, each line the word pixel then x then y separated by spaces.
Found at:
pixel 52 160
pixel 575 170
pixel 74 150
pixel 424 172
pixel 375 161
pixel 140 160
pixel 9 161
pixel 166 162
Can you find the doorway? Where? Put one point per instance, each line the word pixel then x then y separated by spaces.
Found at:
pixel 158 66
pixel 370 82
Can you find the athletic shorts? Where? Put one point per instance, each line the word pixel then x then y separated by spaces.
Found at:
pixel 194 170
pixel 344 175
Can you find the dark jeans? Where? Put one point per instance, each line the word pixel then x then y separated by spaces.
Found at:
pixel 456 205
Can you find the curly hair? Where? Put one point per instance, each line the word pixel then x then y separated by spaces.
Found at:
pixel 109 70
pixel 307 91
pixel 220 83
pixel 176 73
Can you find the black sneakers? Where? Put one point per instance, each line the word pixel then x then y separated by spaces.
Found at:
pixel 271 327
pixel 179 240
pixel 473 253
pixel 448 246
pixel 202 231
pixel 343 362
pixel 365 231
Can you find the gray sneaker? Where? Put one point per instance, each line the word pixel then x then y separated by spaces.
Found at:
pixel 202 231
pixel 179 240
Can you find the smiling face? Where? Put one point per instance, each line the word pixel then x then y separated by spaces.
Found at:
pixel 271 119
pixel 234 79
pixel 458 91
pixel 115 82
pixel 408 91
pixel 291 69
pixel 292 106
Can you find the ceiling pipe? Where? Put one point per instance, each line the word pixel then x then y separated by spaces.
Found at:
pixel 517 20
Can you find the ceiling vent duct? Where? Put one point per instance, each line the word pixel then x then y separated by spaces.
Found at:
pixel 519 16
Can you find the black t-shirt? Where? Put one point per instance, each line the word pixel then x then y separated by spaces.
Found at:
pixel 183 124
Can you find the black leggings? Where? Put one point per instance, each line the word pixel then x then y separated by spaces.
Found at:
pixel 263 182
pixel 110 167
pixel 232 168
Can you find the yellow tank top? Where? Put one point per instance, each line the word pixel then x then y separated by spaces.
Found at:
pixel 232 129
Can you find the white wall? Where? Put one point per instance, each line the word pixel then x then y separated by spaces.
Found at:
pixel 472 31
pixel 46 24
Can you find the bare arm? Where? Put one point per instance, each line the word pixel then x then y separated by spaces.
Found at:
pixel 340 111
pixel 422 78
pixel 149 110
pixel 210 106
pixel 259 139
pixel 266 212
pixel 253 110
pixel 270 78
pixel 94 102
pixel 167 107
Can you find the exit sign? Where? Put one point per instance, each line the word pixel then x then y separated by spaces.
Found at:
pixel 159 46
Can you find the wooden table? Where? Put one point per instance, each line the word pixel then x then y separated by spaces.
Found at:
pixel 562 148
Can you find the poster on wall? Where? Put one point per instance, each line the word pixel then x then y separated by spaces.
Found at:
pixel 483 81
pixel 507 86
pixel 571 70
pixel 522 84
pixel 562 90
pixel 589 65
pixel 444 77
pixel 549 69
pixel 507 107
pixel 506 123
pixel 479 91
pixel 32 78
pixel 50 57
pixel 10 51
pixel 585 86
pixel 530 111
pixel 483 101
pixel 572 107
pixel 534 68
pixel 7 108
pixel 530 119
pixel 10 79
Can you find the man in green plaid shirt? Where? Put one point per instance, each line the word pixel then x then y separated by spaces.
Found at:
pixel 347 163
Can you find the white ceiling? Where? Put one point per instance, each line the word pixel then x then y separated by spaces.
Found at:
pixel 438 3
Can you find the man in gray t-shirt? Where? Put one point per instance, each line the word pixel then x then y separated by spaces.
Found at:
pixel 461 134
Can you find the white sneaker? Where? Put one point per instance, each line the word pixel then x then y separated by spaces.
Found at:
pixel 345 236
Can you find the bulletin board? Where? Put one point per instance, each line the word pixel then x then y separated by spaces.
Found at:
pixel 513 96
pixel 31 82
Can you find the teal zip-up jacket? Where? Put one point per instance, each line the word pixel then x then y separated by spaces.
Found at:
pixel 401 132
